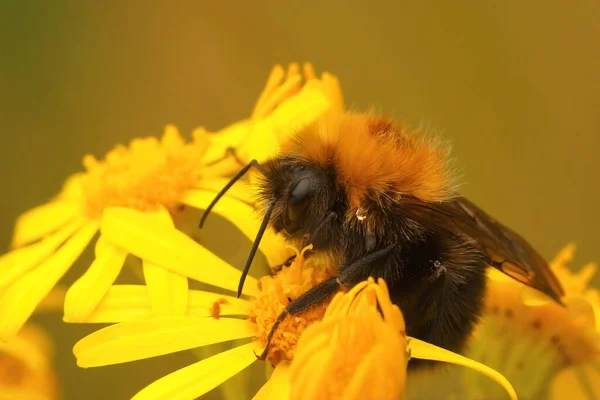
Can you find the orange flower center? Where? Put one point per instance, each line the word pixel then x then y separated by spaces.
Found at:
pixel 276 292
pixel 146 174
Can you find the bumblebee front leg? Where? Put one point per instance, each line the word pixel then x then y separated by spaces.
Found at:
pixel 349 275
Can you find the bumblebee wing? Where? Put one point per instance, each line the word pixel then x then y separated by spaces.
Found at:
pixel 505 249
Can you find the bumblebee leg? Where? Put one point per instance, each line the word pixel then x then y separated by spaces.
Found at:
pixel 355 272
pixel 349 275
pixel 313 297
pixel 229 152
pixel 232 152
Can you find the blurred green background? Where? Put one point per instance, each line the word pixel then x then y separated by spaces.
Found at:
pixel 515 85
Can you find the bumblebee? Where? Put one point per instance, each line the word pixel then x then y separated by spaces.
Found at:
pixel 382 201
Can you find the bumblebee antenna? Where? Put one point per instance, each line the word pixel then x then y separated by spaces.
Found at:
pixel 233 180
pixel 259 235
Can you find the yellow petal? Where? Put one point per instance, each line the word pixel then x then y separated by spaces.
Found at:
pixel 275 77
pixel 426 351
pixel 197 379
pixel 218 161
pixel 201 302
pixel 241 191
pixel 300 110
pixel 20 299
pixel 277 96
pixel 331 86
pixel 124 303
pixel 168 291
pixel 278 385
pixel 140 235
pixel 594 298
pixel 43 220
pixel 120 303
pixel 54 301
pixel 244 218
pixel 15 264
pixel 534 298
pixel 290 116
pixel 231 136
pixel 136 340
pixel 581 382
pixel 580 308
pixel 86 293
pixel 72 189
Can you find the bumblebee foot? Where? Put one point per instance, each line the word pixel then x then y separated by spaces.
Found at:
pixel 262 356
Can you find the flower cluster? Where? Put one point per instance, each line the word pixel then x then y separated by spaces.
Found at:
pixel 131 205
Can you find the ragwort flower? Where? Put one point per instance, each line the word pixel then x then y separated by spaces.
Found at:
pixel 214 318
pixel 356 352
pixel 26 369
pixel 151 176
pixel 284 106
pixel 546 350
pixel 143 335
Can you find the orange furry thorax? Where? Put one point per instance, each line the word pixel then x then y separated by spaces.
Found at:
pixel 376 159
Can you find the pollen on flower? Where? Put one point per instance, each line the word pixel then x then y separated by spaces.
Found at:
pixel 147 174
pixel 215 310
pixel 276 292
pixel 358 350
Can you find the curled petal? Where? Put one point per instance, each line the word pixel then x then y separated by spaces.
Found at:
pixel 86 293
pixel 426 351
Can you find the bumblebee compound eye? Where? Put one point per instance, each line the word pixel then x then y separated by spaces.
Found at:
pixel 297 203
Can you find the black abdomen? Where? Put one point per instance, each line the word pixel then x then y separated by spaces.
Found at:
pixel 438 283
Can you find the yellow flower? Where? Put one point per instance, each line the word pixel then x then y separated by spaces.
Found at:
pixel 276 292
pixel 153 176
pixel 140 338
pixel 284 106
pixel 358 351
pixel 538 344
pixel 355 352
pixel 144 335
pixel 25 367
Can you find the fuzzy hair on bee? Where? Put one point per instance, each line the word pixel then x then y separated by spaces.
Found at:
pixel 373 163
pixel 381 201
